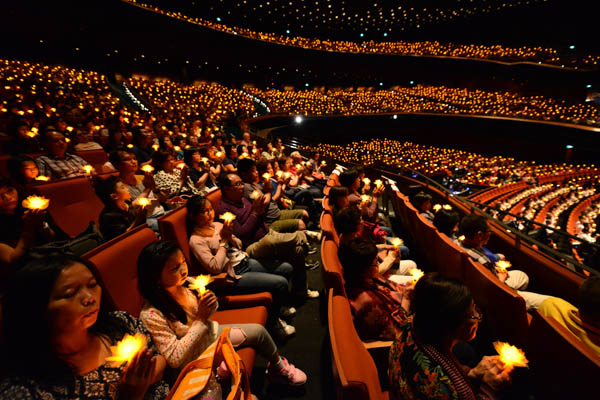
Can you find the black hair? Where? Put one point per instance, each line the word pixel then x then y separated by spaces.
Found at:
pixel 348 177
pixel 262 166
pixel 4 181
pixel 440 305
pixel 105 187
pixel 589 298
pixel 194 205
pixel 335 194
pixel 346 220
pixel 356 256
pixel 245 165
pixel 224 180
pixel 14 164
pixel 188 155
pixel 159 158
pixel 471 224
pixel 151 262
pixel 115 158
pixel 445 221
pixel 27 337
pixel 419 199
pixel 228 148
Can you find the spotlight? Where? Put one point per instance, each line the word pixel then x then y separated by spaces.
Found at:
pixel 298 119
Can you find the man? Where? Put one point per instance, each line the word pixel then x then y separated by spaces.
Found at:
pixel 143 145
pixel 477 234
pixel 261 242
pixel 583 322
pixel 127 165
pixel 57 163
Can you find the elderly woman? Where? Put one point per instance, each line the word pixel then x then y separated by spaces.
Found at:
pixel 170 180
pixel 422 362
pixel 58 349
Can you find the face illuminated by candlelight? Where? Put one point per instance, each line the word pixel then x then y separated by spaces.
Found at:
pixel 175 271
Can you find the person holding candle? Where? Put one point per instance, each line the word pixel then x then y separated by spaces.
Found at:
pixel 446 222
pixel 58 349
pixel 179 320
pixel 21 141
pixel 422 202
pixel 477 234
pixel 231 158
pixel 57 163
pixel 23 171
pixel 199 169
pixel 142 147
pixel 172 181
pixel 422 360
pixel 216 248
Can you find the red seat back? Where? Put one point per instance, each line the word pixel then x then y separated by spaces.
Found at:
pixel 73 203
pixel 354 369
pixel 173 229
pixel 447 257
pixel 116 261
pixel 328 228
pixel 96 158
pixel 333 272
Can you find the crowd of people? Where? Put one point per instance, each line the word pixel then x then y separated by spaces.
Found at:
pixel 536 54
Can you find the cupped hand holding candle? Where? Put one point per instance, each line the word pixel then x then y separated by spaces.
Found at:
pixel 155 147
pixel 510 355
pixel 147 168
pixel 127 348
pixel 279 173
pixel 365 198
pixel 323 163
pixel 180 165
pixel 397 241
pixel 227 217
pixel 417 274
pixel 447 207
pixel 218 154
pixel 502 266
pixel 36 203
pixel 199 283
pixel 143 202
pixel 266 176
pixel 255 195
pixel 378 183
pixel 366 181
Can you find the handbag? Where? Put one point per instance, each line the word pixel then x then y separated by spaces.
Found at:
pixel 193 379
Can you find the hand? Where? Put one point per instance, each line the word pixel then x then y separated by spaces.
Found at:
pixel 396 252
pixel 378 191
pixel 497 377
pixel 486 363
pixel 207 305
pixel 258 205
pixel 366 188
pixel 33 219
pixel 149 181
pixel 226 232
pixel 184 173
pixel 267 186
pixel 502 276
pixel 137 375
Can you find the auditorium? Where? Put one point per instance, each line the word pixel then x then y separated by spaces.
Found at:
pixel 292 199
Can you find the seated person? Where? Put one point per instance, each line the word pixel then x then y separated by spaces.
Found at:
pixel 127 165
pixel 198 170
pixel 216 248
pixel 422 363
pixel 65 307
pixel 477 234
pixel 22 171
pixel 118 216
pixel 57 163
pixel 259 241
pixel 267 154
pixel 278 220
pixel 379 306
pixel 21 142
pixel 231 158
pixel 348 225
pixel 446 222
pixel 85 141
pixel 583 322
pixel 350 179
pixel 178 318
pixel 171 181
pixel 338 198
pixel 142 144
pixel 422 202
pixel 19 229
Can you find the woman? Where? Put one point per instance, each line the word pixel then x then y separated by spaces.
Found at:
pixel 198 170
pixel 422 202
pixel 58 348
pixel 379 306
pixel 422 363
pixel 178 319
pixel 351 180
pixel 218 250
pixel 23 171
pixel 169 180
pixel 338 198
pixel 446 222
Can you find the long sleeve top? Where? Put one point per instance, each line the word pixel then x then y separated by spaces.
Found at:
pixel 206 251
pixel 179 343
pixel 371 211
pixel 246 226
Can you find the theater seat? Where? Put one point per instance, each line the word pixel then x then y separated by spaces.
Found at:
pixel 73 204
pixel 333 273
pixel 96 158
pixel 354 370
pixel 447 257
pixel 328 228
pixel 116 261
pixel 562 366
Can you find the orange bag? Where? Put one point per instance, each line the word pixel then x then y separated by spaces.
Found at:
pixel 193 378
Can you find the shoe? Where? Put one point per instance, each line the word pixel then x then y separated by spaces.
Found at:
pixel 283 330
pixel 289 375
pixel 287 312
pixel 311 250
pixel 313 235
pixel 311 265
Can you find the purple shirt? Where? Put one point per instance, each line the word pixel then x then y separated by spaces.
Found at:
pixel 246 226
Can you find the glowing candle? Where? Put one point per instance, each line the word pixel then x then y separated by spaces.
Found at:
pixel 127 348
pixel 227 217
pixel 36 203
pixel 253 151
pixel 510 355
pixel 244 155
pixel 42 178
pixel 70 128
pixel 282 147
pixel 502 265
pixel 254 142
pixel 298 166
pixel 287 175
pixel 155 147
pixel 199 283
pixel 397 241
pixel 323 163
pixel 177 148
pixel 69 140
pixel 365 198
pixel 147 168
pixel 143 202
pixel 461 238
pixel 417 274
pixel 378 183
pixel 447 207
pixel 279 173
pixel 130 146
pixel 88 169
pixel 32 134
pixel 437 207
pixel 255 195
pixel 204 160
pixel 218 154
pixel 366 181
pixel 266 176
pixel 180 165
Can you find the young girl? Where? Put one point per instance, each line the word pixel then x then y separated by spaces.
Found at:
pixel 178 319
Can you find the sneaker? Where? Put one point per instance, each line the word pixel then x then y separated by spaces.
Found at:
pixel 287 312
pixel 313 235
pixel 289 375
pixel 311 265
pixel 283 330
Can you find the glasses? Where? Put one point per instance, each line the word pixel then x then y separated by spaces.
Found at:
pixel 478 315
pixel 237 184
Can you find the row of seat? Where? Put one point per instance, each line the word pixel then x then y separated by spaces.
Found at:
pixel 96 158
pixel 576 213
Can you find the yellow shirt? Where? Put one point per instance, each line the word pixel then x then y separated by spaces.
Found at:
pixel 566 315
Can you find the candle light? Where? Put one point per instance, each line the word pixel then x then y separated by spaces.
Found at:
pixel 32 134
pixel 366 181
pixel 88 169
pixel 180 165
pixel 143 202
pixel 298 166
pixel 365 198
pixel 417 274
pixel 397 241
pixel 287 175
pixel 155 147
pixel 67 140
pixel 36 203
pixel 447 207
pixel 227 217
pixel 127 348
pixel 255 195
pixel 253 151
pixel 378 183
pixel 70 128
pixel 254 142
pixel 42 178
pixel 279 173
pixel 502 265
pixel 199 283
pixel 323 163
pixel 266 176
pixel 130 146
pixel 437 207
pixel 218 154
pixel 177 148
pixel 147 168
pixel 204 160
pixel 510 355
pixel 461 238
